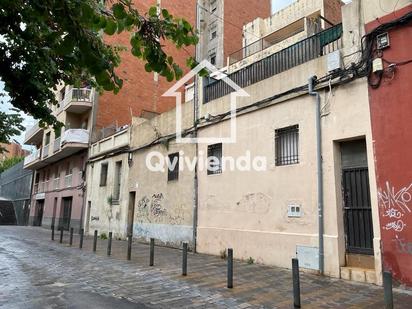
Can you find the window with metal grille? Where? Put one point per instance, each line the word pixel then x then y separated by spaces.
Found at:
pixel 213 58
pixel 103 174
pixel 214 158
pixel 287 145
pixel 117 181
pixel 173 167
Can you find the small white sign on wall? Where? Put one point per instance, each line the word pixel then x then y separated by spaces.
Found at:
pixel 308 257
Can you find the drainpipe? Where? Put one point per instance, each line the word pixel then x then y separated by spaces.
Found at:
pixel 195 120
pixel 312 92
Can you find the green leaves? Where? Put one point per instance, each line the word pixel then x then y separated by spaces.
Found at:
pixel 153 11
pixel 119 11
pixel 110 27
pixel 62 43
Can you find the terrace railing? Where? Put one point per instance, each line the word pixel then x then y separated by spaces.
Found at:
pixel 315 46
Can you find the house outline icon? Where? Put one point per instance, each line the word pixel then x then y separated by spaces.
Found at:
pixel 174 92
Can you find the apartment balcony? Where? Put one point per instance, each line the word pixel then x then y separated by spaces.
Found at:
pixel 33 161
pixel 71 141
pixel 34 135
pixel 77 100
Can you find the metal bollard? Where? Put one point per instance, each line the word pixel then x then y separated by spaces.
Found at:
pixel 296 283
pixel 95 241
pixel 184 260
pixel 230 268
pixel 71 236
pixel 387 289
pixel 152 243
pixel 61 235
pixel 129 247
pixel 109 244
pixel 52 230
pixel 81 238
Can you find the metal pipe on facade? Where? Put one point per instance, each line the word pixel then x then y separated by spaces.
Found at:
pixel 195 123
pixel 312 92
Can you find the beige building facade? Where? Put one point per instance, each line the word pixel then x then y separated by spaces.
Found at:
pixel 263 200
pixel 107 195
pixel 273 215
pixel 161 199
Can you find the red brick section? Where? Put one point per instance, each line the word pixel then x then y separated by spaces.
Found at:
pixel 333 11
pixel 236 14
pixel 391 114
pixel 12 150
pixel 140 91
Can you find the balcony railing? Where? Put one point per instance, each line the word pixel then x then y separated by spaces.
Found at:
pixel 56 145
pixel 311 48
pixel 30 132
pixel 46 151
pixel 80 136
pixel 32 157
pixel 78 95
pixel 68 180
pixel 259 45
pixel 56 183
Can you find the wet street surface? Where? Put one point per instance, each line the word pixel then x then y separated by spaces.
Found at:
pixel 36 272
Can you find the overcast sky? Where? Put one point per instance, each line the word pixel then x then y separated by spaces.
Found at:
pixel 280 4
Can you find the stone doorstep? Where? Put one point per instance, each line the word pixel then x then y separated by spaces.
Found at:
pixel 358 274
pixel 360 260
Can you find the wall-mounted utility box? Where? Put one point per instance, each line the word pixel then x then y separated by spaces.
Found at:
pixel 382 40
pixel 377 65
pixel 308 257
pixel 334 61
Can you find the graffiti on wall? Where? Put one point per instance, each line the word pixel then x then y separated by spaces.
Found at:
pixel 396 205
pixel 153 209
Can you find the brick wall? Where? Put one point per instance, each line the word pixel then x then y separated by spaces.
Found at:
pixel 12 150
pixel 140 91
pixel 236 14
pixel 333 11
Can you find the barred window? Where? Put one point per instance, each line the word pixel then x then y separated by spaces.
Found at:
pixel 214 159
pixel 173 167
pixel 287 145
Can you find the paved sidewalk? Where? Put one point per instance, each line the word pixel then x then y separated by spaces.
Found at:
pixel 36 272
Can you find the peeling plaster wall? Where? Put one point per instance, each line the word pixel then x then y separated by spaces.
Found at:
pixel 163 209
pixel 102 216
